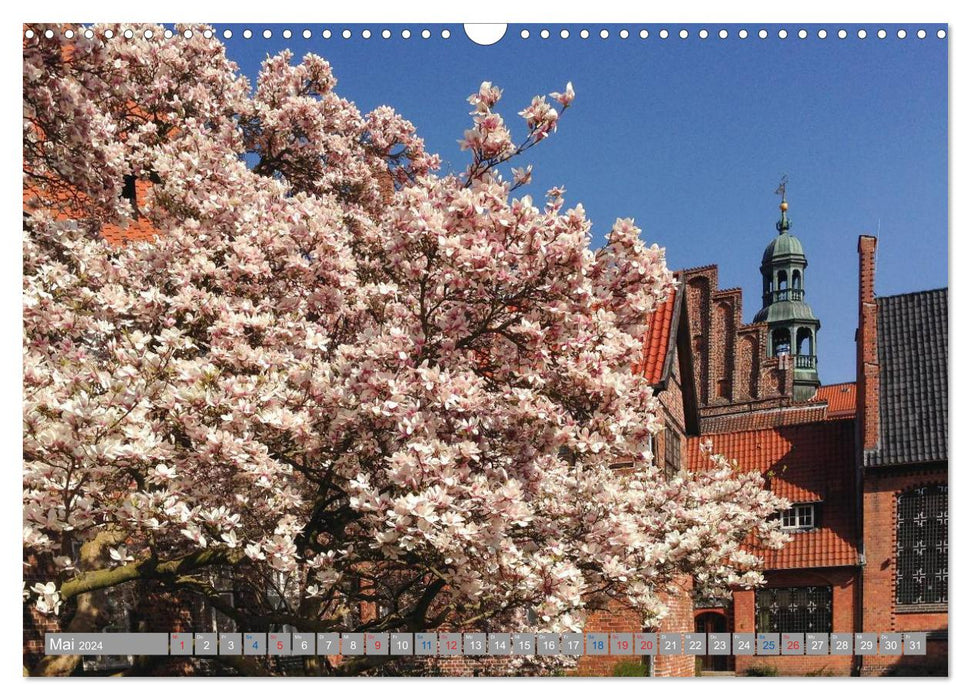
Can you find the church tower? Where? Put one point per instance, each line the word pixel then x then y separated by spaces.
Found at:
pixel 792 324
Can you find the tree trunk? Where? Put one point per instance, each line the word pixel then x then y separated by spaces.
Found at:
pixel 90 615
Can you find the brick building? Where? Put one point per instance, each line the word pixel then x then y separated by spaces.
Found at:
pixel 864 463
pixel 902 364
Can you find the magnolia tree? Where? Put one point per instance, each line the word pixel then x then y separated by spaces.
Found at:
pixel 336 374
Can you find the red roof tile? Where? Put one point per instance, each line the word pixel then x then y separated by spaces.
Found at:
pixel 657 340
pixel 138 229
pixel 811 463
pixel 840 397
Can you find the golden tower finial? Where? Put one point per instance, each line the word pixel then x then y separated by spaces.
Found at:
pixel 783 224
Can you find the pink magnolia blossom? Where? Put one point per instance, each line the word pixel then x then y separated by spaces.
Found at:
pixel 566 97
pixel 336 369
pixel 485 99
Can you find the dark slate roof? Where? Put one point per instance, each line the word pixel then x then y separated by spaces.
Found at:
pixel 912 352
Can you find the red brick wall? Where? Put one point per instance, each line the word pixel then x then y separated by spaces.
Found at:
pixel 726 319
pixel 699 284
pixel 35 624
pixel 732 372
pixel 680 619
pixel 470 666
pixel 749 352
pixel 880 612
pixel 867 369
pixel 775 378
pixel 672 399
pixel 845 584
pixel 616 618
pixel 620 618
pixel 672 404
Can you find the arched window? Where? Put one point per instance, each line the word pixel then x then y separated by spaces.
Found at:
pixel 781 342
pixel 921 551
pixel 782 280
pixel 804 342
pixel 796 279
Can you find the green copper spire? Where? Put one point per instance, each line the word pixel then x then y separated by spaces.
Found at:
pixel 792 323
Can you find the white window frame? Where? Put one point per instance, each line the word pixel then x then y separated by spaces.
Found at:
pixel 801 516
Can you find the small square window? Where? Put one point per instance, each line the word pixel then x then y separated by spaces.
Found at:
pixel 802 516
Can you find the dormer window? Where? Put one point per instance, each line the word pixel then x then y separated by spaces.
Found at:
pixel 802 516
pixel 130 192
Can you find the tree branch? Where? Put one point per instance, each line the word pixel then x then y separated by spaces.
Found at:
pixel 147 569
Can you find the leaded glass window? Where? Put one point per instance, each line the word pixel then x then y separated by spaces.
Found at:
pixel 807 609
pixel 921 551
pixel 672 453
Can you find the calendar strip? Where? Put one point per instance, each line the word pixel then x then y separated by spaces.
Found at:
pixel 487 644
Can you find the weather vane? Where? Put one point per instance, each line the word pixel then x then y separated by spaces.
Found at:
pixel 783 224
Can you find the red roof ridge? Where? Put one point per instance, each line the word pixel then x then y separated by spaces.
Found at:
pixel 657 339
pixel 841 398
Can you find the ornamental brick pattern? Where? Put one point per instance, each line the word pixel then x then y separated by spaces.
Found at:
pixel 732 368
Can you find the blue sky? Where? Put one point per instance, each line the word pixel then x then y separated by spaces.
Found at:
pixel 690 137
